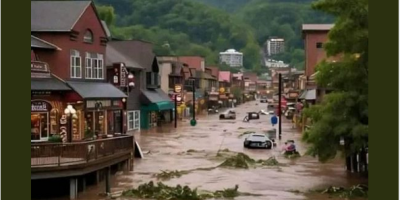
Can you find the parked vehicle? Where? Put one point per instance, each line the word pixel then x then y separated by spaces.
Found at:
pixel 229 114
pixel 263 99
pixel 213 110
pixel 258 140
pixel 251 116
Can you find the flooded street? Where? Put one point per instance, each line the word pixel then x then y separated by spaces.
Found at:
pixel 166 149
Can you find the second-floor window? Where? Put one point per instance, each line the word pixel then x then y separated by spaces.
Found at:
pixel 76 64
pixel 94 66
pixel 152 79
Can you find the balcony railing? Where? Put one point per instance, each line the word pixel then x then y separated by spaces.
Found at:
pixel 64 154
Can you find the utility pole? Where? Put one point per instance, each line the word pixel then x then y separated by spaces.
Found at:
pixel 280 107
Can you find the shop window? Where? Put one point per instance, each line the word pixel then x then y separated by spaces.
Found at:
pixel 89 124
pixel 133 119
pixel 76 64
pixel 76 128
pixel 99 123
pixel 39 126
pixel 54 119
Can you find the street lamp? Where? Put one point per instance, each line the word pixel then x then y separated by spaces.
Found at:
pixel 70 112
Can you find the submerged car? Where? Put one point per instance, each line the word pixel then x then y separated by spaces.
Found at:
pixel 258 140
pixel 229 114
pixel 263 99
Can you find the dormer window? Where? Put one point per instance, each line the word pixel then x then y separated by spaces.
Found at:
pixel 88 37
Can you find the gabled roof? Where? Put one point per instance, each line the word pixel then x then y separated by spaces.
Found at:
pixel 56 15
pixel 106 29
pixel 224 76
pixel 42 44
pixel 214 71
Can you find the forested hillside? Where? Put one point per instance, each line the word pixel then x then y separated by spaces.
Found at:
pixel 206 27
pixel 183 27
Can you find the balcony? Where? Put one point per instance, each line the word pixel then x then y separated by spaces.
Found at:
pixel 58 159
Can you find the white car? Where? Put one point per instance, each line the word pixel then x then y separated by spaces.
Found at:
pixel 258 140
pixel 229 114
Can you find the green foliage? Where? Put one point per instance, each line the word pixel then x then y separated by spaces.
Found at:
pixel 161 191
pixel 343 112
pixel 166 175
pixel 107 14
pixel 354 191
pixel 182 27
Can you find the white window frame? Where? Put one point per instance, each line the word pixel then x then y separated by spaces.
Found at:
pixel 134 120
pixel 74 66
pixel 94 66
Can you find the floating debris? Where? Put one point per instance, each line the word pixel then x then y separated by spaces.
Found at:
pixel 239 160
pixel 161 191
pixel 166 175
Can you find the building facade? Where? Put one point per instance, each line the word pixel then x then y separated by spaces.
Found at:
pixel 231 57
pixel 274 46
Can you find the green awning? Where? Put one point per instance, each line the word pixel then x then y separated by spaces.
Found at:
pixel 159 106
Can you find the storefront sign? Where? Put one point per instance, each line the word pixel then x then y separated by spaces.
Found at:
pixel 178 89
pixel 37 66
pixel 120 75
pixel 40 106
pixel 213 98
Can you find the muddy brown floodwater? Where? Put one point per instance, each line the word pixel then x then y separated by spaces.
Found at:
pixel 164 149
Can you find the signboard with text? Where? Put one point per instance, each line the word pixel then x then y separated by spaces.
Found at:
pixel 40 106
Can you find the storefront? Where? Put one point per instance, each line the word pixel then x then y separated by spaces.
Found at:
pixel 100 113
pixel 156 108
pixel 47 106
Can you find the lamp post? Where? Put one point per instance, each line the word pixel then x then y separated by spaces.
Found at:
pixel 70 112
pixel 193 121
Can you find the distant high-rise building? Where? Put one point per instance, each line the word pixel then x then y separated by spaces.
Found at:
pixel 274 46
pixel 231 57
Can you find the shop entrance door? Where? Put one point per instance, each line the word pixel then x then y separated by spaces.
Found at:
pixel 39 126
pixel 117 121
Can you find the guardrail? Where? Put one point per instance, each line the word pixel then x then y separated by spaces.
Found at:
pixel 61 154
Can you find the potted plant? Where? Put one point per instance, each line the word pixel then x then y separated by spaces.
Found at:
pixel 55 138
pixel 89 135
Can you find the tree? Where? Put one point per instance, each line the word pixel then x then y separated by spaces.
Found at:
pixel 343 114
pixel 107 14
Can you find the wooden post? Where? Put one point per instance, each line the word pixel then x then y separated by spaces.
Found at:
pixel 108 174
pixel 73 188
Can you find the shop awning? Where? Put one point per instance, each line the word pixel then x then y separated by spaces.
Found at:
pixel 156 100
pixel 159 106
pixel 309 95
pixel 96 90
pixel 48 84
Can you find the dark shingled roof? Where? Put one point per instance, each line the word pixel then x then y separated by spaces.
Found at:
pixel 56 15
pixel 119 52
pixel 48 84
pixel 41 44
pixel 93 90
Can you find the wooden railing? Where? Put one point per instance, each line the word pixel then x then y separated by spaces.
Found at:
pixel 62 154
